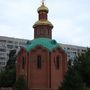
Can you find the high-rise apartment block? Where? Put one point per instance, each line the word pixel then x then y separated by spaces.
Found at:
pixel 6 45
pixel 73 51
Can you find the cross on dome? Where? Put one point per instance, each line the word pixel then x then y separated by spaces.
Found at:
pixel 43 1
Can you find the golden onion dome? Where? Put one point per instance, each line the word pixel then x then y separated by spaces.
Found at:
pixel 42 8
pixel 42 22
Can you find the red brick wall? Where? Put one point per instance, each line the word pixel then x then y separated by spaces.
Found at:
pixel 19 69
pixel 56 74
pixel 46 77
pixel 38 77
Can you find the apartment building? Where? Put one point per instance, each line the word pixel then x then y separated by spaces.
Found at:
pixel 7 44
pixel 73 51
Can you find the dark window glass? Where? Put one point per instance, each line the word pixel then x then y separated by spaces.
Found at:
pixel 39 63
pixel 16 46
pixel 2 50
pixel 10 46
pixel 36 32
pixel 48 32
pixel 10 41
pixel 23 63
pixel 2 58
pixel 57 62
pixel 3 41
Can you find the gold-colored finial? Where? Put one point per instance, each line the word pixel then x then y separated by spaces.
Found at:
pixel 42 7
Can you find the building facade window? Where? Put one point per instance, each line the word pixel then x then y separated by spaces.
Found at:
pixel 23 62
pixel 39 63
pixel 10 46
pixel 10 41
pixel 3 41
pixel 2 50
pixel 2 58
pixel 57 62
pixel 48 31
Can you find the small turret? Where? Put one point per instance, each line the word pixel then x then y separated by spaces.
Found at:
pixel 43 28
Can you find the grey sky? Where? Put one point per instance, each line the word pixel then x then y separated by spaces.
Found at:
pixel 71 19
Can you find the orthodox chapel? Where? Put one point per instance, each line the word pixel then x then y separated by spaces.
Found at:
pixel 42 61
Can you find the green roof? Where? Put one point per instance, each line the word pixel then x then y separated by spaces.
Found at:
pixel 45 42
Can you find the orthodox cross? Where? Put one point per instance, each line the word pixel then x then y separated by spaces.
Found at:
pixel 43 1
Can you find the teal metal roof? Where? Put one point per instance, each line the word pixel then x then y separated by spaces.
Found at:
pixel 45 42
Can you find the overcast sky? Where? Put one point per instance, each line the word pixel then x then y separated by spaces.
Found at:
pixel 71 19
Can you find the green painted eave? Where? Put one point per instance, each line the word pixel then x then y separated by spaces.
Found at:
pixel 44 42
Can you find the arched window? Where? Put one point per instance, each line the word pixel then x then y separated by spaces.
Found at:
pixel 36 32
pixel 23 62
pixel 39 63
pixel 48 31
pixel 57 62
